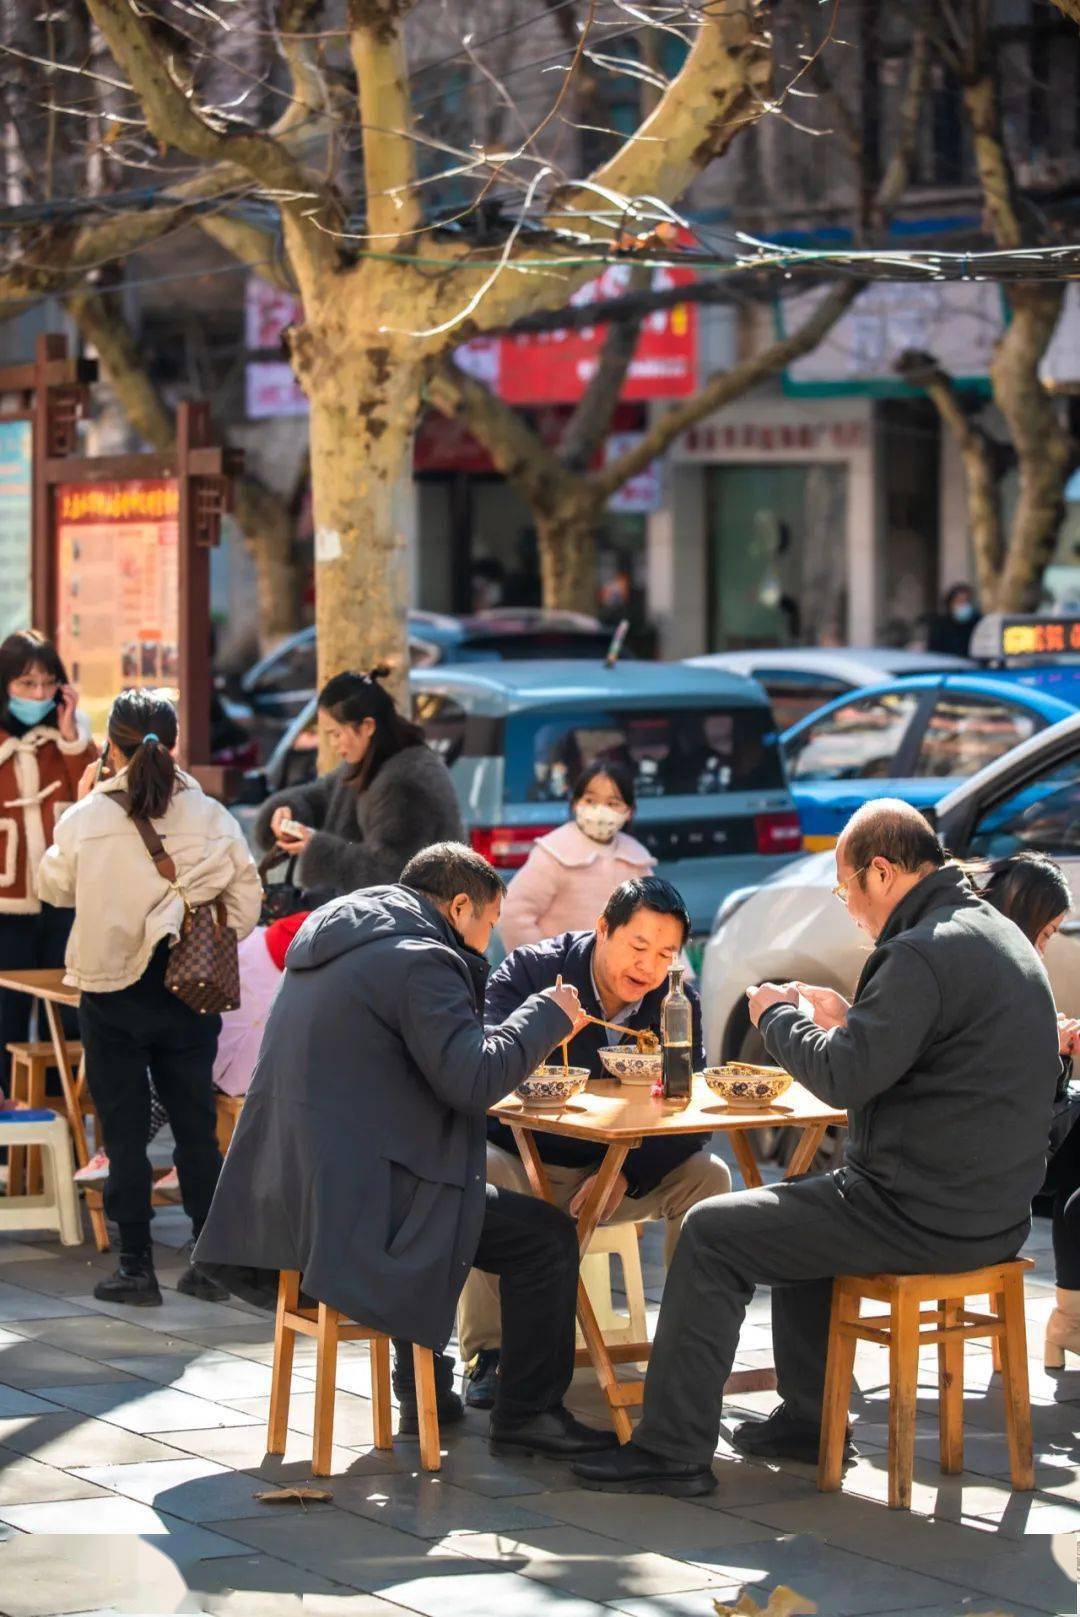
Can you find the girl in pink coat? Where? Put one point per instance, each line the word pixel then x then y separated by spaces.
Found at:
pixel 572 872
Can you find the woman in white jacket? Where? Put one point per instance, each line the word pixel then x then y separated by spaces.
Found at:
pixel 127 916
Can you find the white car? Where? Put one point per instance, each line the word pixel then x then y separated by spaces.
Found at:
pixel 800 679
pixel 793 927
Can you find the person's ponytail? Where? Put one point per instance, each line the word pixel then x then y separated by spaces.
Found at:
pixel 142 726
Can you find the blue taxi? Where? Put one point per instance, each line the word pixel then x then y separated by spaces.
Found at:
pixel 914 738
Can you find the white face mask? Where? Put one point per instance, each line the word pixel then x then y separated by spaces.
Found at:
pixel 599 822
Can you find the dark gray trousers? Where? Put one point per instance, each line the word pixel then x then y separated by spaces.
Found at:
pixel 794 1237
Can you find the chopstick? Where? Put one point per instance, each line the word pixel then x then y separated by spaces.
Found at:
pixel 566 1058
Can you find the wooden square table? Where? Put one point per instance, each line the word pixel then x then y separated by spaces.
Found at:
pixel 620 1117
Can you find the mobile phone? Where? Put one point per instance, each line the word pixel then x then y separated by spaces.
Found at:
pixel 293 828
pixel 100 776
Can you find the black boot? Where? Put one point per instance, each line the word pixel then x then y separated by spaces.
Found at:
pixel 134 1282
pixel 782 1437
pixel 448 1405
pixel 555 1433
pixel 483 1379
pixel 631 1469
pixel 195 1282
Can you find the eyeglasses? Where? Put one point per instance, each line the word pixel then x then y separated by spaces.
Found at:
pixel 840 891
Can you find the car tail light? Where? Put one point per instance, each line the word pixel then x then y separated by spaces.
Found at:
pixel 778 833
pixel 506 846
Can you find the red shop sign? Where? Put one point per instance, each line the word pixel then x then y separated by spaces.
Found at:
pixel 554 367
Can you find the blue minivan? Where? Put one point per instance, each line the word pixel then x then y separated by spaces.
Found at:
pixel 713 802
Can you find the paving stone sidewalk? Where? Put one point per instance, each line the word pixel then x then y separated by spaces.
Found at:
pixel 132 1443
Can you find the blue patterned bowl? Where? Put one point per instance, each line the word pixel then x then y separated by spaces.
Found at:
pixel 760 1087
pixel 623 1062
pixel 551 1086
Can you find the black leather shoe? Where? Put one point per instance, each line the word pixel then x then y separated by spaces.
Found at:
pixel 630 1469
pixel 781 1437
pixel 483 1380
pixel 448 1405
pixel 133 1282
pixel 195 1282
pixel 555 1433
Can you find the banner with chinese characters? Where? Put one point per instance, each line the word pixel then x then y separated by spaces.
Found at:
pixel 118 588
pixel 16 442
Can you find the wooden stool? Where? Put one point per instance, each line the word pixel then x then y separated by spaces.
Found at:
pixel 951 1324
pixel 229 1108
pixel 30 1066
pixel 329 1327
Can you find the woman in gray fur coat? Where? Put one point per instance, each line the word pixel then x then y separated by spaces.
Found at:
pixel 390 796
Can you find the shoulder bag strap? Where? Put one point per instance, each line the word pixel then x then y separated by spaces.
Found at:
pixel 153 843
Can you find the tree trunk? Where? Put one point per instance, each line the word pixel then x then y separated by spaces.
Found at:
pixel 266 523
pixel 567 538
pixel 1045 452
pixel 364 403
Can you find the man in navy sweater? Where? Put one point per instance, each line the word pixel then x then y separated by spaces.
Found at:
pixel 620 972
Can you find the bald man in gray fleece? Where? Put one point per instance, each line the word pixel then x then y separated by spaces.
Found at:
pixel 947 1063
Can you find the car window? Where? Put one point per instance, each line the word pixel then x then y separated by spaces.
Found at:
pixel 1043 815
pixel 443 721
pixel 670 752
pixel 966 732
pixel 795 695
pixel 858 741
pixel 293 669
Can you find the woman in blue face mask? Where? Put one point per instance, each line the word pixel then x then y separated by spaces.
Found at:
pixel 42 756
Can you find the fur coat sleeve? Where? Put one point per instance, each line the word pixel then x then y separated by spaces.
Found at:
pixel 369 837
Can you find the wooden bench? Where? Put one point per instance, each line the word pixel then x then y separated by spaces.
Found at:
pixel 329 1327
pixel 948 1324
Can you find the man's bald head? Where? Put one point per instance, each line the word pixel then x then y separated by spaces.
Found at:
pixel 890 829
pixel 885 850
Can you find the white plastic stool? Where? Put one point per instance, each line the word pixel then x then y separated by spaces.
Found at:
pixel 57 1207
pixel 621 1241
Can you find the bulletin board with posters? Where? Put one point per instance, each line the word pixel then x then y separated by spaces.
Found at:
pixel 118 588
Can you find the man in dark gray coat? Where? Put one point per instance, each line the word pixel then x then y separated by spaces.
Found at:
pixel 359 1156
pixel 947 1062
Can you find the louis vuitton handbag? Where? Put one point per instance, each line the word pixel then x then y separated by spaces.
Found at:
pixel 204 966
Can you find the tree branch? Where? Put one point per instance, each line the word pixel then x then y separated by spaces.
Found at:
pixel 724 386
pixel 173 118
pixel 996 177
pixel 378 55
pixel 588 426
pixel 979 454
pixel 516 448
pixel 723 85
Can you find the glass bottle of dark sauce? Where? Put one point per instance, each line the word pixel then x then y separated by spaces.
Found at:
pixel 676 1036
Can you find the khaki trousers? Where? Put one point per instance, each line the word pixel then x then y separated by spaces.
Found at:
pixel 697 1179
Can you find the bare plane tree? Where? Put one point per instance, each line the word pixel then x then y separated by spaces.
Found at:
pixel 385 289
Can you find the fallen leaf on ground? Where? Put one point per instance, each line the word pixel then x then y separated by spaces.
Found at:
pixel 299 1496
pixel 783 1602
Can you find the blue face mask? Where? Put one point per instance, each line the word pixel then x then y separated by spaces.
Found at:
pixel 31 712
pixel 963 612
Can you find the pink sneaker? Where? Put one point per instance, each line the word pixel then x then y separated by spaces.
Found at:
pixel 168 1181
pixel 96 1169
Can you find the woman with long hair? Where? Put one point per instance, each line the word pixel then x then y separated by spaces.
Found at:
pixel 127 918
pixel 43 754
pixel 1032 891
pixel 571 872
pixel 389 797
